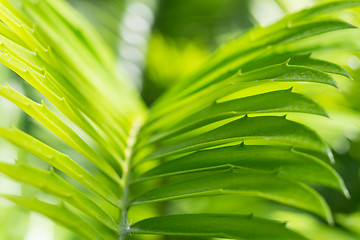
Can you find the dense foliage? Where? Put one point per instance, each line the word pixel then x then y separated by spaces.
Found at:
pixel 229 148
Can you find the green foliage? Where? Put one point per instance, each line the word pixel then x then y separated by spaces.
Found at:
pixel 200 138
pixel 212 225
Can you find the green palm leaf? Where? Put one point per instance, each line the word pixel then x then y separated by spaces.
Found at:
pixel 189 144
pixel 215 225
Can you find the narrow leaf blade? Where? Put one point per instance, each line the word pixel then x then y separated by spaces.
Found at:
pixel 58 213
pixel 269 127
pixel 51 183
pixel 58 160
pixel 216 225
pixel 285 160
pixel 249 183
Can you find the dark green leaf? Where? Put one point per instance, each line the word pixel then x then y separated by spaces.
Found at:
pixel 275 73
pixel 234 54
pixel 285 160
pixel 320 65
pixel 268 127
pixel 271 102
pixel 245 182
pixel 216 225
pixel 300 59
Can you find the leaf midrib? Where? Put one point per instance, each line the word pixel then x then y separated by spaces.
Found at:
pixel 126 177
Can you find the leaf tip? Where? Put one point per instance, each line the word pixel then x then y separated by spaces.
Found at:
pixel 334 84
pixel 330 220
pixel 346 193
pixel 324 113
pixel 345 73
pixel 331 156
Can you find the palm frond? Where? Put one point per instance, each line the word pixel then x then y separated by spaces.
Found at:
pixel 201 138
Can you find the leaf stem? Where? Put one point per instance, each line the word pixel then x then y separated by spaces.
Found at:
pixel 126 177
